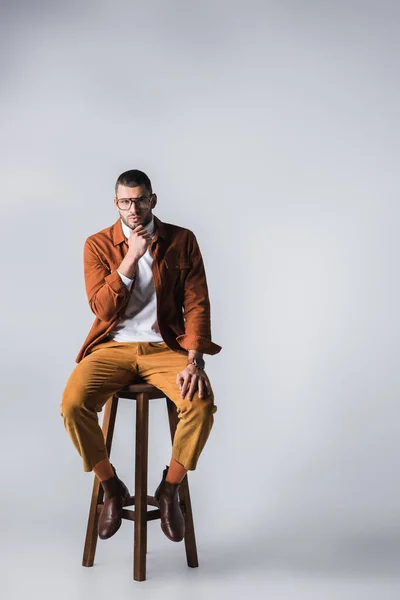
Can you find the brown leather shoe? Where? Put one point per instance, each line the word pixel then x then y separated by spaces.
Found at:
pixel 116 495
pixel 172 520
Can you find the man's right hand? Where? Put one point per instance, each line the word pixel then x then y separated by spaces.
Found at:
pixel 138 242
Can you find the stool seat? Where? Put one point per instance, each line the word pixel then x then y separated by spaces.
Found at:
pixel 138 387
pixel 141 392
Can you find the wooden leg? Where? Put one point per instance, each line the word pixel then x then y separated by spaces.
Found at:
pixel 140 533
pixel 110 412
pixel 184 497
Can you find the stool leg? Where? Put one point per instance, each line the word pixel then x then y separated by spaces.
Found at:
pixel 110 412
pixel 141 459
pixel 184 497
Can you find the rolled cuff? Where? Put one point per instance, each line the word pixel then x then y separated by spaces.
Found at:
pixel 127 280
pixel 115 283
pixel 199 343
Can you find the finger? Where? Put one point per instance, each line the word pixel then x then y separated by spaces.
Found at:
pixel 193 386
pixel 179 379
pixel 185 385
pixel 202 388
pixel 208 385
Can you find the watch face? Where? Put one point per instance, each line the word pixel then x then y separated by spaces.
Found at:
pixel 200 362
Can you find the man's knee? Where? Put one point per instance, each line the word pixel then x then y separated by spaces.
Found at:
pixel 207 405
pixel 73 400
pixel 202 409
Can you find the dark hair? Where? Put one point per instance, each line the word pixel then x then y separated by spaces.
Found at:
pixel 133 178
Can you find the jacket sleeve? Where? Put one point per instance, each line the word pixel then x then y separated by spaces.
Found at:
pixel 196 306
pixel 106 292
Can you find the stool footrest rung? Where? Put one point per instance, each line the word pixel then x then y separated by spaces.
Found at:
pixel 151 515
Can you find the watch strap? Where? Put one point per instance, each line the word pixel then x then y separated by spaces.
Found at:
pixel 193 361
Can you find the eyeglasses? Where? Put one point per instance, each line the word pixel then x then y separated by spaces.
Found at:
pixel 126 203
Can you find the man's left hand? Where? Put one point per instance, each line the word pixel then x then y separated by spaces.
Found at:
pixel 191 379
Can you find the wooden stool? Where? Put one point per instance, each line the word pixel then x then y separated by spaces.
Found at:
pixel 142 393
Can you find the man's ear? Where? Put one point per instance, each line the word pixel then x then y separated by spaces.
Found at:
pixel 154 201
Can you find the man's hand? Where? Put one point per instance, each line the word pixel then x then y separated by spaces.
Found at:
pixel 191 379
pixel 138 242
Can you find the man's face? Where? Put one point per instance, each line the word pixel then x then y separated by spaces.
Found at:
pixel 139 213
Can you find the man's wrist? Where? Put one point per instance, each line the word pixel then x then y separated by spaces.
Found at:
pixel 196 358
pixel 128 267
pixel 194 354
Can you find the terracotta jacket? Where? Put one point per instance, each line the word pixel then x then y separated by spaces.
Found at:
pixel 183 306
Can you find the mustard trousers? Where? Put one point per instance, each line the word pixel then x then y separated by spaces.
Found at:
pixel 111 365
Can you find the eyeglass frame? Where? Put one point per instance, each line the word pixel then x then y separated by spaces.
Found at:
pixel 134 200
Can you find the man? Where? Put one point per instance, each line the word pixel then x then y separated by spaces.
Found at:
pixel 146 285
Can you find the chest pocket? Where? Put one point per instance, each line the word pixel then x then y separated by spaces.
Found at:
pixel 175 265
pixel 177 270
pixel 181 265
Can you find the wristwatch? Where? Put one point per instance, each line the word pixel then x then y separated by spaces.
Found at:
pixel 198 361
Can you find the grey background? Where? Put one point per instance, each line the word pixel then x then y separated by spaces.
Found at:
pixel 271 130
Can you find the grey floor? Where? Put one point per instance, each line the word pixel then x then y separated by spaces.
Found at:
pixel 260 533
pixel 43 561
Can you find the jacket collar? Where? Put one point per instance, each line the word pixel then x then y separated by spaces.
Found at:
pixel 118 235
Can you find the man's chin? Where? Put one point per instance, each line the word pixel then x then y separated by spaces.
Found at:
pixel 132 223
